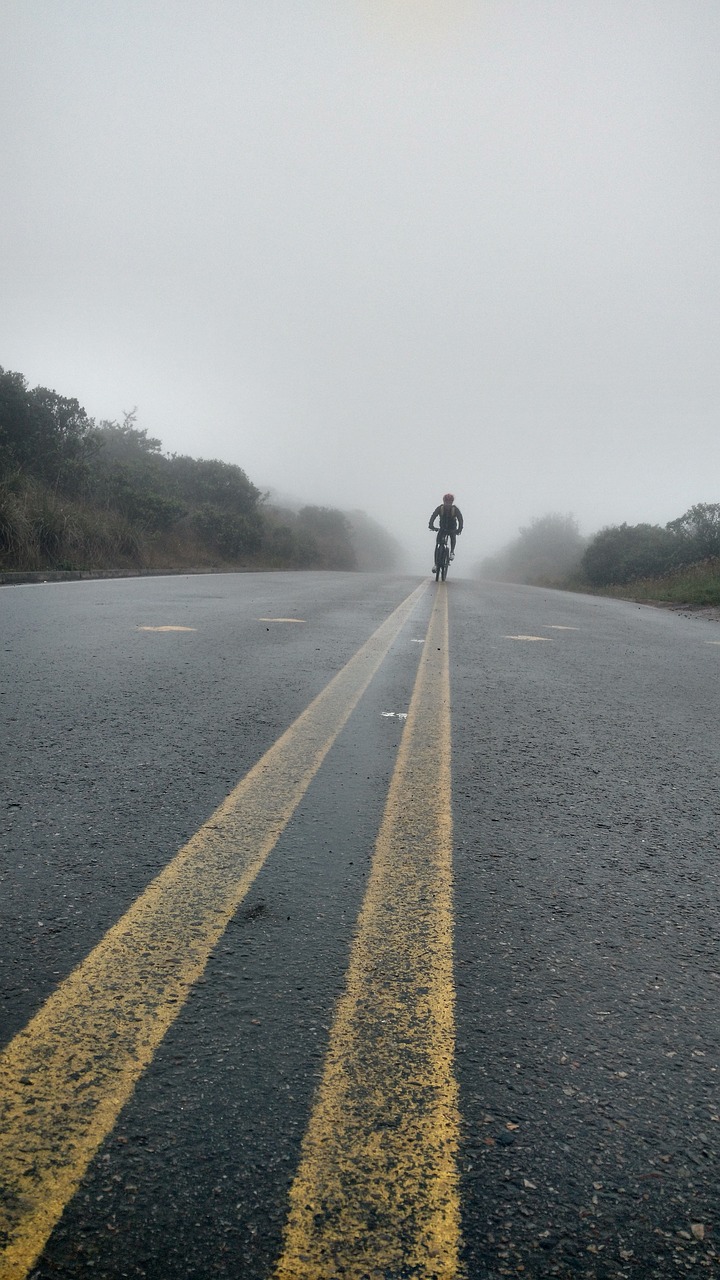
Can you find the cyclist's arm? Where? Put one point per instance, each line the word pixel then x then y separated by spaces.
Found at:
pixel 459 515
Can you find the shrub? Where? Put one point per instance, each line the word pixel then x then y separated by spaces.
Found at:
pixel 620 553
pixel 229 534
pixel 545 553
pixel 697 532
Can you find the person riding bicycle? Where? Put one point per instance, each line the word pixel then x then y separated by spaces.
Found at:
pixel 451 520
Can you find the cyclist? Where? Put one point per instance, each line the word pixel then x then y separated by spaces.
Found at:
pixel 451 520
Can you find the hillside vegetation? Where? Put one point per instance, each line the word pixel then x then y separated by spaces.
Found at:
pixel 80 495
pixel 678 562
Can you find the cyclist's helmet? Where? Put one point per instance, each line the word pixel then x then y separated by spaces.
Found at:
pixel 448 498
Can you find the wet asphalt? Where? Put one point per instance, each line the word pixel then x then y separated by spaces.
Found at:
pixel 585 769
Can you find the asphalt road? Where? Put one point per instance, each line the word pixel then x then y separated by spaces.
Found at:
pixel 532 1049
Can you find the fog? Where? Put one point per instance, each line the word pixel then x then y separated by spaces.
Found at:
pixel 374 251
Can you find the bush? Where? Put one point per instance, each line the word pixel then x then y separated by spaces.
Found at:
pixel 620 553
pixel 546 552
pixel 329 532
pixel 202 482
pixel 697 533
pixel 47 435
pixel 87 495
pixel 230 535
pixel 41 530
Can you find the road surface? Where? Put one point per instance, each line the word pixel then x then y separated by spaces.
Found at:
pixel 357 926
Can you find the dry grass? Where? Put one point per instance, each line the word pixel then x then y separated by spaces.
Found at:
pixel 698 584
pixel 43 531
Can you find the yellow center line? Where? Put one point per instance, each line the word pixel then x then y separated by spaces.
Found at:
pixel 376 1192
pixel 66 1076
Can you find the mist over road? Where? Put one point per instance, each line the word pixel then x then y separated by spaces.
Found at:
pixel 262 949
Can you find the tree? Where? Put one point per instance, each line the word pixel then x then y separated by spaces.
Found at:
pixel 48 436
pixel 375 547
pixel 125 442
pixel 75 493
pixel 132 476
pixel 222 484
pixel 330 530
pixel 16 426
pixel 231 534
pixel 620 553
pixel 697 532
pixel 545 553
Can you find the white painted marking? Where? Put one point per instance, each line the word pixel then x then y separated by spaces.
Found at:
pixel 546 639
pixel 418 641
pixel 712 641
pixel 167 628
pixel 555 626
pixel 394 715
pixel 281 619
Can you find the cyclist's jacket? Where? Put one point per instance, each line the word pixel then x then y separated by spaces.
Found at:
pixel 451 520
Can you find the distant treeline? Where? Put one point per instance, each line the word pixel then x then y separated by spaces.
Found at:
pixel 551 551
pixel 77 494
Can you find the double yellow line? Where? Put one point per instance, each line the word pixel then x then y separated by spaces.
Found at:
pixel 66 1076
pixel 376 1193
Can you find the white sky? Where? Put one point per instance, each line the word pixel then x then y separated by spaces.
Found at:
pixel 374 249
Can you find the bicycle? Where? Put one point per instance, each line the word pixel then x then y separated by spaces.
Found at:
pixel 442 555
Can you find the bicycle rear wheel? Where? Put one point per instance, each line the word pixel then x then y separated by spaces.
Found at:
pixel 445 561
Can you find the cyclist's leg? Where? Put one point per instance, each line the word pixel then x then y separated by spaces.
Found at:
pixel 437 564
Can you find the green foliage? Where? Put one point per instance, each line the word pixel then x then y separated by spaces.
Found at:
pixel 695 585
pixel 130 477
pixel 47 435
pixel 698 532
pixel 16 426
pixel 142 505
pixel 331 534
pixel 222 484
pixel 40 529
pixel 156 492
pixel 307 554
pixel 280 544
pixel 620 553
pixel 626 553
pixel 551 552
pixel 545 553
pixel 231 534
pixel 75 493
pixel 125 443
pixel 375 548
